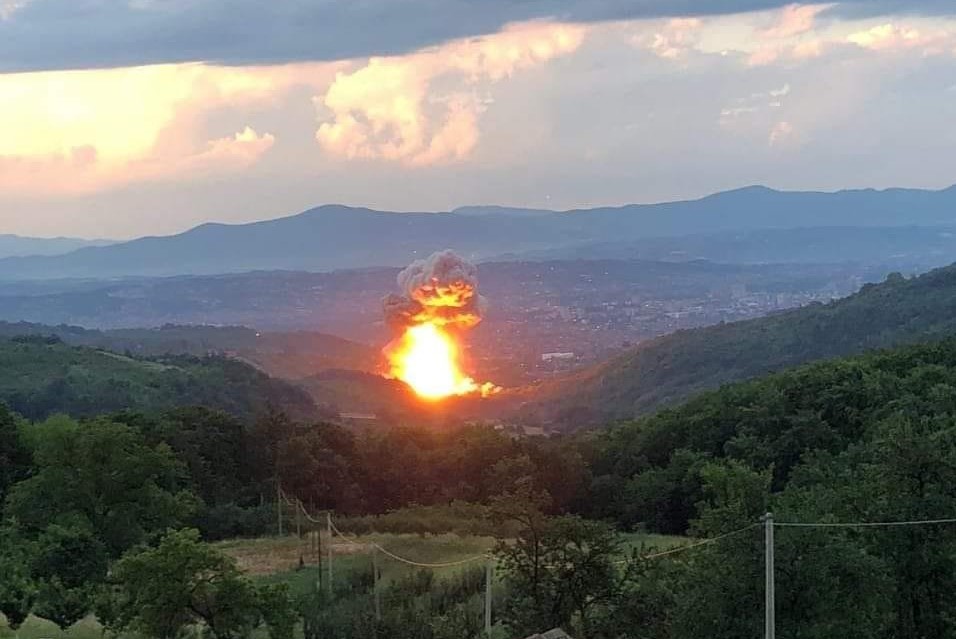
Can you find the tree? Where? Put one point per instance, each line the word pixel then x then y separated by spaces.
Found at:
pixel 103 478
pixel 180 583
pixel 523 507
pixel 563 576
pixel 14 458
pixel 67 564
pixel 314 465
pixel 17 588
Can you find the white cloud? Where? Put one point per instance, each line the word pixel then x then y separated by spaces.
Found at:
pixel 782 91
pixel 671 40
pixel 897 37
pixel 10 7
pixel 424 108
pixel 781 133
pixel 794 20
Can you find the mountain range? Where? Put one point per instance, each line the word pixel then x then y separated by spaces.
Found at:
pixel 336 237
pixel 19 246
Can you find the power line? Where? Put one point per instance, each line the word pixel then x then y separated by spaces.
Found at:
pixel 410 562
pixel 703 542
pixel 865 524
pixel 448 564
pixel 697 544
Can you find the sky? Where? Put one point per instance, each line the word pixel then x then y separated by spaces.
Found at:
pixel 124 118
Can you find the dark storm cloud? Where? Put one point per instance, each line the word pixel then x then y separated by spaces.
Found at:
pixel 62 34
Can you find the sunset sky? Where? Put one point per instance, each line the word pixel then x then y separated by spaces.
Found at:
pixel 135 117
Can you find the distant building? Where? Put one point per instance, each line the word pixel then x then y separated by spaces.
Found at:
pixel 551 357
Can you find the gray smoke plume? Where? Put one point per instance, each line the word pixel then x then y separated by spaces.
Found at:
pixel 441 289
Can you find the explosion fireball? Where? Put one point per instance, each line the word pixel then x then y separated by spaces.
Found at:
pixel 440 301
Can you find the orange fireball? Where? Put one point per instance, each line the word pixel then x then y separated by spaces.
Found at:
pixel 427 359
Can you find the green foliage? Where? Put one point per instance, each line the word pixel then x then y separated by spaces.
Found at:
pixel 278 610
pixel 101 477
pixel 180 583
pixel 38 379
pixel 865 439
pixel 17 588
pixel 560 573
pixel 417 605
pixel 14 458
pixel 776 423
pixel 67 564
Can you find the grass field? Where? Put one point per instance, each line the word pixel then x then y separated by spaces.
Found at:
pixel 276 559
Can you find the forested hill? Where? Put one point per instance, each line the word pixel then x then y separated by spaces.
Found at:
pixel 669 369
pixel 290 355
pixel 815 415
pixel 40 376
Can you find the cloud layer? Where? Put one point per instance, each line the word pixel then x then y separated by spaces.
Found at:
pixel 61 34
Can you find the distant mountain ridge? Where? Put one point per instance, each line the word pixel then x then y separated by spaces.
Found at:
pixel 336 237
pixel 19 246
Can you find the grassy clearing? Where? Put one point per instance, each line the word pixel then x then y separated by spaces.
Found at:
pixel 649 543
pixel 277 559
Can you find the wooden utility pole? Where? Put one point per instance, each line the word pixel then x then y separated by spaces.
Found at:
pixel 375 575
pixel 489 577
pixel 279 504
pixel 769 603
pixel 328 520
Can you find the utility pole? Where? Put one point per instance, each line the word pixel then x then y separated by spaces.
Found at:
pixel 318 554
pixel 489 576
pixel 375 575
pixel 769 603
pixel 279 504
pixel 298 528
pixel 328 520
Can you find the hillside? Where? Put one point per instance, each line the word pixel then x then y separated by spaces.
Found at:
pixel 282 354
pixel 42 376
pixel 336 237
pixel 808 415
pixel 671 368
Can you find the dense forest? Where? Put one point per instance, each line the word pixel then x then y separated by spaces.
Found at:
pixel 41 376
pixel 96 506
pixel 672 368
